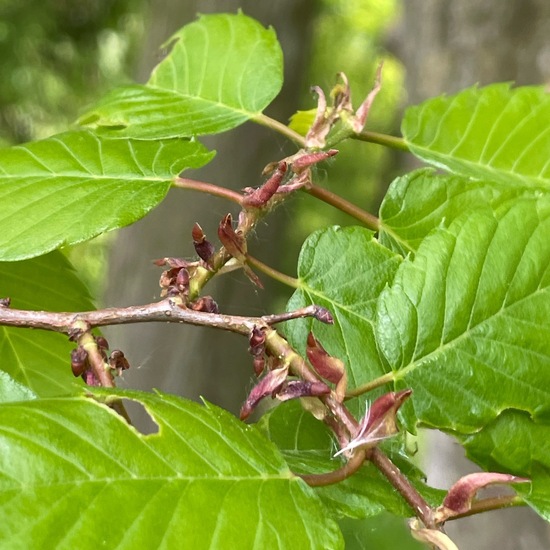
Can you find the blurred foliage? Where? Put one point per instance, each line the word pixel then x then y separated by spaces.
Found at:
pixel 57 55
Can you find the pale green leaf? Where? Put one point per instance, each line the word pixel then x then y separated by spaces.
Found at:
pixel 73 474
pixel 466 325
pixel 40 360
pixel 383 532
pixel 73 186
pixel 11 390
pixel 344 270
pixel 496 133
pixel 222 70
pixel 308 447
pixel 471 313
pixel 423 200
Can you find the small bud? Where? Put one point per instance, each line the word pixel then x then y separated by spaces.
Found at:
pixel 118 362
pixel 268 385
pixel 302 388
pixel 5 302
pixel 233 242
pixel 204 249
pixel 461 495
pixel 258 364
pixel 307 160
pixel 102 343
pixel 379 422
pixel 324 315
pixel 90 379
pixel 205 304
pixel 326 366
pixel 259 197
pixel 256 341
pixel 182 280
pixel 79 361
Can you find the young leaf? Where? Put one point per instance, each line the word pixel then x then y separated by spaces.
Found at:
pixel 222 70
pixel 344 270
pixel 466 324
pixel 40 360
pixel 204 480
pixel 496 133
pixel 73 186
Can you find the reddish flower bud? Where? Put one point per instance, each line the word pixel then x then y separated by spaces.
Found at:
pixel 461 495
pixel 204 249
pixel 302 388
pixel 256 341
pixel 206 304
pixel 268 385
pixel 118 362
pixel 324 315
pixel 102 343
pixel 258 364
pixel 259 197
pixel 326 366
pixel 309 159
pixel 233 242
pixel 79 360
pixel 379 421
pixel 90 379
pixel 182 280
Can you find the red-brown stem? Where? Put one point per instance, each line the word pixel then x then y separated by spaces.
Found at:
pixel 209 188
pixel 394 475
pixel 370 221
pixel 352 465
pixel 489 504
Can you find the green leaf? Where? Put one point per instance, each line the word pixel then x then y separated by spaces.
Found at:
pixel 344 270
pixel 384 532
pixel 466 324
pixel 516 443
pixel 423 200
pixel 39 360
pixel 205 480
pixel 308 447
pixel 10 390
pixel 73 186
pixel 496 133
pixel 222 70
